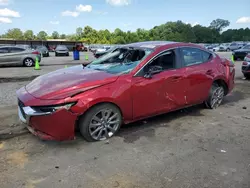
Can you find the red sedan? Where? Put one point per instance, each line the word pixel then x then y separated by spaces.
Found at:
pixel 134 82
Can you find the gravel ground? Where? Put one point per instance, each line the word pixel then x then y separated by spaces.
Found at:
pixel 194 147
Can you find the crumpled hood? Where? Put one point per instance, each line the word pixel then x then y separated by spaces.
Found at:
pixel 66 82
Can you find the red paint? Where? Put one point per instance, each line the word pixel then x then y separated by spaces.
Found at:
pixel 137 97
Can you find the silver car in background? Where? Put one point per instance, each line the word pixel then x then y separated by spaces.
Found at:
pixel 14 55
pixel 61 50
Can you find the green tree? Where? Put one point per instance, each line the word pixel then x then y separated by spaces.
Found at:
pixel 62 36
pixel 15 33
pixel 42 35
pixel 28 35
pixel 79 33
pixel 219 24
pixel 55 35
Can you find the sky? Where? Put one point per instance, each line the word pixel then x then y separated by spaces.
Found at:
pixel 65 16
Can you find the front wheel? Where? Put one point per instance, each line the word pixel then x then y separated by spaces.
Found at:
pixel 100 122
pixel 216 96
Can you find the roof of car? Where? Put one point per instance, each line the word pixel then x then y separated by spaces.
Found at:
pixel 149 44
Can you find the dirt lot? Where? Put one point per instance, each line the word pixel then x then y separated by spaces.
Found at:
pixel 189 148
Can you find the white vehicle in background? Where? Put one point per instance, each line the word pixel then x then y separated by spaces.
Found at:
pixel 216 49
pixel 102 48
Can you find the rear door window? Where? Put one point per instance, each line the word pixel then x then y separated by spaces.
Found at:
pixel 193 56
pixel 16 50
pixel 4 50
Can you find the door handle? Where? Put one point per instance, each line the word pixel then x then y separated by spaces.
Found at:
pixel 176 77
pixel 209 72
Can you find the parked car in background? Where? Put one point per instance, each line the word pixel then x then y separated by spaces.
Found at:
pixel 233 46
pixel 51 48
pixel 61 50
pixel 102 49
pixel 241 53
pixel 101 53
pixel 245 68
pixel 223 47
pixel 43 50
pixel 136 81
pixel 216 48
pixel 85 48
pixel 10 55
pixel 25 46
pixel 93 48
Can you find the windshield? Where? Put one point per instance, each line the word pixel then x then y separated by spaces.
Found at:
pixel 120 61
pixel 61 48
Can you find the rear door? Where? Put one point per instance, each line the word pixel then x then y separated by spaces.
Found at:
pixel 16 54
pixel 4 51
pixel 199 73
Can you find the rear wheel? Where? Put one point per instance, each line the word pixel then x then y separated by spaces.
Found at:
pixel 100 122
pixel 216 96
pixel 228 50
pixel 56 54
pixel 28 62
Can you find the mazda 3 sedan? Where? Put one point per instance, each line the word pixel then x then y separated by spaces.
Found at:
pixel 137 81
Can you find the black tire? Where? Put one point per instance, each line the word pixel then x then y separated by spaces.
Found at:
pixel 56 54
pixel 227 49
pixel 88 118
pixel 247 76
pixel 67 54
pixel 28 62
pixel 214 91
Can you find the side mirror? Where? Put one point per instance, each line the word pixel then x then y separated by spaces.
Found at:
pixel 153 70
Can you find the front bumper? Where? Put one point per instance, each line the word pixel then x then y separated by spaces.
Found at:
pixel 58 125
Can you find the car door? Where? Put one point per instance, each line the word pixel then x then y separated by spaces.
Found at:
pixel 4 51
pixel 199 73
pixel 160 92
pixel 16 54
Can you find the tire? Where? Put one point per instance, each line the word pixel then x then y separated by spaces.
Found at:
pixel 227 49
pixel 56 54
pixel 101 128
pixel 216 96
pixel 247 76
pixel 67 54
pixel 28 62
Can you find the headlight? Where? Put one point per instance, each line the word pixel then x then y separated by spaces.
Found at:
pixel 53 108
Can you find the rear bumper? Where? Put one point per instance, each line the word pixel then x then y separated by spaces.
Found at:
pixel 58 125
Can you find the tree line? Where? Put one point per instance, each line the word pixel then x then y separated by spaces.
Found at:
pixel 170 31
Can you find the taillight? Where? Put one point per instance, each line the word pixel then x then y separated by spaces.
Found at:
pixel 35 52
pixel 245 63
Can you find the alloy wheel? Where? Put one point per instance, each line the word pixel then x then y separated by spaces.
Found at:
pixel 217 97
pixel 104 124
pixel 28 62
